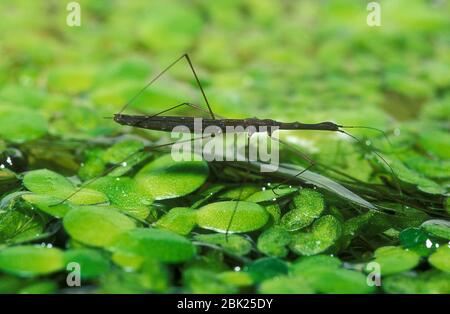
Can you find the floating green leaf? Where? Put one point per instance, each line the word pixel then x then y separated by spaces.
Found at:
pixel 308 206
pixel 162 245
pixel 438 227
pixel 165 178
pixel 325 232
pixel 273 241
pixel 29 260
pixel 394 259
pixel 266 268
pixel 180 220
pixel 47 182
pixel 95 225
pixel 125 194
pixel 49 204
pixel 244 216
pixel 91 262
pixel 441 259
pixel 285 285
pixel 233 243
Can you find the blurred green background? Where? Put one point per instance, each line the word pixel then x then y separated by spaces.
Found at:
pixel 289 60
pixel 307 61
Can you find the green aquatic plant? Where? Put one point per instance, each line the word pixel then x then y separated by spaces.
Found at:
pixel 80 190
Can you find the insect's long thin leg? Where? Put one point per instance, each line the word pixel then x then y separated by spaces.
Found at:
pixel 241 190
pixel 188 59
pixel 312 163
pixel 109 170
pixel 199 84
pixel 397 184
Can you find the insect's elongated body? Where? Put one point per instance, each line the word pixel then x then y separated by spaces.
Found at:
pixel 168 123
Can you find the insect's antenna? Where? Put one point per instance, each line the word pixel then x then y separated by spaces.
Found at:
pixel 368 128
pixel 150 83
pixel 397 184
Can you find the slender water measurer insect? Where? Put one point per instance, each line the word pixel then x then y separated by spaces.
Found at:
pixel 216 125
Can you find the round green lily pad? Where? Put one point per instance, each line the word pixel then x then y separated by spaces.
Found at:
pixel 92 263
pixel 47 203
pixel 50 183
pixel 393 259
pixel 180 220
pixel 30 260
pixel 165 178
pixel 125 194
pixel 95 225
pixel 158 244
pixel 247 216
pixel 441 258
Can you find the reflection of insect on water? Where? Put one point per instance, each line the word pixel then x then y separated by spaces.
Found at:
pixel 160 122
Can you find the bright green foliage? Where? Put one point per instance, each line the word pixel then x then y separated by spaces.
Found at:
pixel 95 225
pixel 324 233
pixel 165 178
pixel 149 243
pixel 180 220
pixel 438 227
pixel 395 260
pixel 92 263
pixel 77 186
pixel 20 125
pixel 273 241
pixel 307 206
pixel 233 216
pixel 31 260
pixel 235 244
pixel 125 194
pixel 441 259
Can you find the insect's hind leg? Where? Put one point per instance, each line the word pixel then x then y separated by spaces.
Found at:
pixel 115 166
pixel 241 190
pixel 191 66
pixel 311 162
